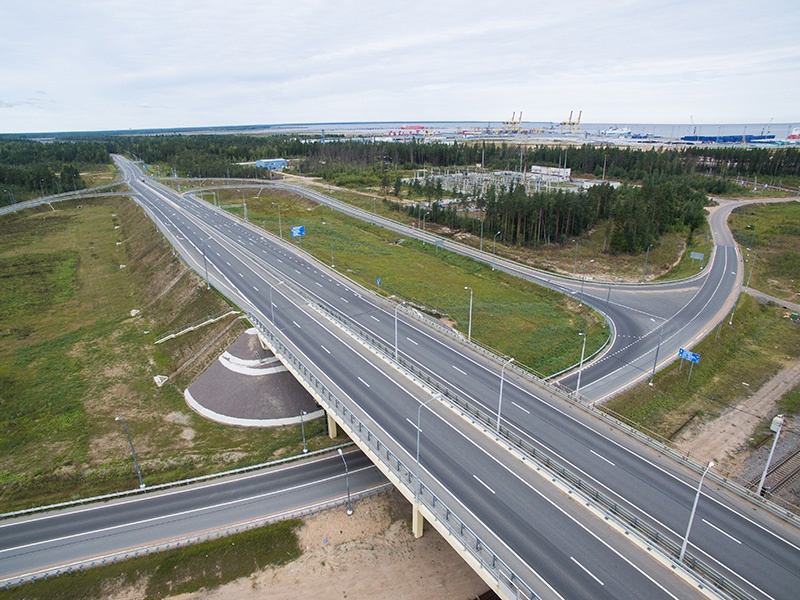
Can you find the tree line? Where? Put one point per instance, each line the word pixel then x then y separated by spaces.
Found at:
pixel 634 216
pixel 31 168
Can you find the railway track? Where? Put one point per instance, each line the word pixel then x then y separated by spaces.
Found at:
pixel 780 474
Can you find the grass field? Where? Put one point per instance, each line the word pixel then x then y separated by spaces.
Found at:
pixel 734 360
pixel 536 326
pixel 772 232
pixel 72 358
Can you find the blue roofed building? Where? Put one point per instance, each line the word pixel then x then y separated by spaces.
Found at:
pixel 272 164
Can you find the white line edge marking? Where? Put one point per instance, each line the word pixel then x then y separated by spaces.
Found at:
pixel 364 382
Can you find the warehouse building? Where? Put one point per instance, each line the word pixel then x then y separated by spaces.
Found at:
pixel 272 164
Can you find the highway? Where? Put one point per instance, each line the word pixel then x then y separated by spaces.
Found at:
pixel 553 543
pixel 96 532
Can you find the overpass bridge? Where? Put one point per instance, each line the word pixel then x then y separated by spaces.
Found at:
pixel 541 498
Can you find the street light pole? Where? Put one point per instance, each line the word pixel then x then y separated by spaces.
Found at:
pixel 425 216
pixel 777 424
pixel 469 328
pixel 418 487
pixel 205 264
pixel 655 360
pixel 280 224
pixel 396 308
pixel 481 247
pixel 580 368
pixel 691 516
pixel 133 452
pixel 333 266
pixel 646 255
pixel 494 249
pixel 575 262
pixel 752 266
pixel 347 479
pixel 500 402
pixel 303 429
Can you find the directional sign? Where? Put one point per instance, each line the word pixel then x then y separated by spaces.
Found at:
pixel 692 357
pixel 298 230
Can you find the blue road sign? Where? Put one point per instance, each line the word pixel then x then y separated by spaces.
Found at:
pixel 690 356
pixel 298 230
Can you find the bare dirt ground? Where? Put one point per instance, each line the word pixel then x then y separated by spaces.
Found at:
pixel 726 439
pixel 370 555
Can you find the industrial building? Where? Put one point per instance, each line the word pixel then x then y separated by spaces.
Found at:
pixel 272 164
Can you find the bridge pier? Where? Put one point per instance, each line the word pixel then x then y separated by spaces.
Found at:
pixel 417 520
pixel 333 428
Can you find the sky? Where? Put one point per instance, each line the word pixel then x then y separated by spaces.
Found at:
pixel 92 65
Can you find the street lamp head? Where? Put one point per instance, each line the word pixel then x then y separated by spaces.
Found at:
pixel 340 451
pixel 116 418
pixel 710 464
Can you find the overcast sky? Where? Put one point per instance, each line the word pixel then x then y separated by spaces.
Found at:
pixel 78 65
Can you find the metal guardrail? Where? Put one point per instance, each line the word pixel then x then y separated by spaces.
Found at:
pixel 172 484
pixel 700 569
pixel 479 550
pixel 80 566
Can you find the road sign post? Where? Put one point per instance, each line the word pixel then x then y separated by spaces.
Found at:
pixel 692 357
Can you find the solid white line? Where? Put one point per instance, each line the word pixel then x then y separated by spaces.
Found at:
pixel 484 485
pixel 364 382
pixel 520 407
pixel 324 348
pixel 412 423
pixel 459 370
pixel 725 533
pixel 374 317
pixel 572 558
pixel 296 325
pixel 602 457
pixel 255 288
pixel 412 341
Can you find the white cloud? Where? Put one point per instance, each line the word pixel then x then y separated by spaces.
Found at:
pixel 109 64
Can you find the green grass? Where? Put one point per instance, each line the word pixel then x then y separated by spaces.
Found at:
pixel 202 566
pixel 72 359
pixel 772 232
pixel 758 344
pixel 536 326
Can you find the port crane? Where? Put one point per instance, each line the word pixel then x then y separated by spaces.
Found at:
pixel 570 126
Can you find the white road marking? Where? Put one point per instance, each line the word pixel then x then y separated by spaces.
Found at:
pixel 318 283
pixel 255 288
pixel 240 275
pixel 725 533
pixel 602 458
pixel 412 341
pixel 344 300
pixel 364 382
pixel 374 317
pixel 572 558
pixel 324 348
pixel 296 325
pixel 296 271
pixel 483 484
pixel 459 370
pixel 520 407
pixel 412 423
